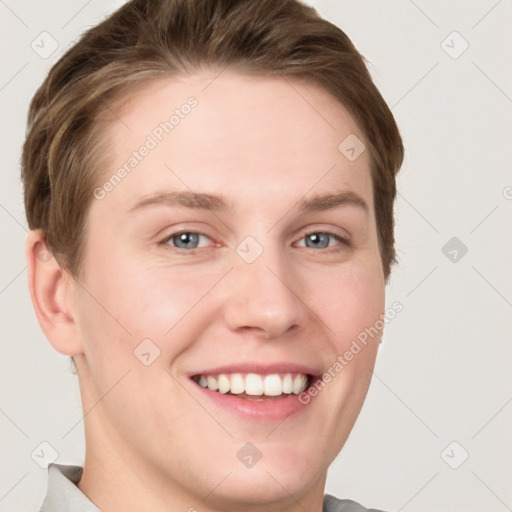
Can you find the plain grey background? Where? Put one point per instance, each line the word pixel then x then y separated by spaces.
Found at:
pixel 434 433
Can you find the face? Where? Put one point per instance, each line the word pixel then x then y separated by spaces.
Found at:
pixel 255 274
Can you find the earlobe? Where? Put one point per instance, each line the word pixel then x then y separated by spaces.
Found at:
pixel 50 291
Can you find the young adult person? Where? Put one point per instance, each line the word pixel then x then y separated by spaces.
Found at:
pixel 209 186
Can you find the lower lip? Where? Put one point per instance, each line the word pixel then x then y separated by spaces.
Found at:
pixel 277 409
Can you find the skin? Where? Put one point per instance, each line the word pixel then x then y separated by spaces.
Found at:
pixel 153 442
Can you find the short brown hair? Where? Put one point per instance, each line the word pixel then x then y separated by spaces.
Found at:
pixel 145 40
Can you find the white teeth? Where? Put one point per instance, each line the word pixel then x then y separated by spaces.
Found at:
pixel 212 383
pixel 299 384
pixel 253 384
pixel 224 384
pixel 237 384
pixel 287 383
pixel 272 385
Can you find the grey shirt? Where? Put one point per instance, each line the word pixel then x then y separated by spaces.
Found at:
pixel 63 495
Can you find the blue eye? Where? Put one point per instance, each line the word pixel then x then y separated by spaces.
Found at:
pixel 190 240
pixel 320 240
pixel 185 240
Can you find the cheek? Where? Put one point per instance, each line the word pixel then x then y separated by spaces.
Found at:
pixel 349 302
pixel 130 302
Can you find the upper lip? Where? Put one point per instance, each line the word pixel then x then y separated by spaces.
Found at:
pixel 259 368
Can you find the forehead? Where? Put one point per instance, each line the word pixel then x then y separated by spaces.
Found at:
pixel 250 137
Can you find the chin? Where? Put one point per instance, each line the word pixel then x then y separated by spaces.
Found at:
pixel 258 487
pixel 270 480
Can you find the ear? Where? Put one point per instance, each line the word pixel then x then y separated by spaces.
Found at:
pixel 51 290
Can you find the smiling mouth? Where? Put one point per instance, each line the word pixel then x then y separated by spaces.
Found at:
pixel 256 387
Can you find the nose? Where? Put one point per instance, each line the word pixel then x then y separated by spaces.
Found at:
pixel 263 297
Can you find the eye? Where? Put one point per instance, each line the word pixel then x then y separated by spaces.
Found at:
pixel 190 240
pixel 320 239
pixel 185 240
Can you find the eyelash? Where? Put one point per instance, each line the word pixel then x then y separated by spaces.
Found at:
pixel 343 242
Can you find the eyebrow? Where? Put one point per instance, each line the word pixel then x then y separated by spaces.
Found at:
pixel 328 201
pixel 188 199
pixel 213 202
